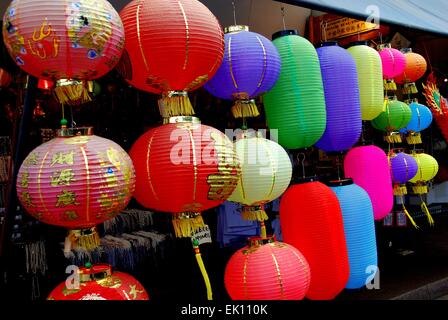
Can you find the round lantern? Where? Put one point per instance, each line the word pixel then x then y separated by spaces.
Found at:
pixel 76 180
pixel 415 69
pixel 359 228
pixel 369 169
pixel 421 119
pixel 5 78
pixel 64 41
pixel 250 67
pixel 267 270
pixel 393 64
pixel 311 221
pixel 340 81
pixel 295 106
pixel 172 47
pixel 370 79
pixel 265 174
pixel 98 282
pixel 396 116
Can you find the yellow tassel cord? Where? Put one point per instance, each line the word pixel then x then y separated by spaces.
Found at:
pixel 410 88
pixel 254 213
pixel 414 138
pixel 185 223
pixel 203 270
pixel 393 137
pixel 426 211
pixel 87 239
pixel 176 104
pixel 72 94
pixel 409 216
pixel 390 85
pixel 245 109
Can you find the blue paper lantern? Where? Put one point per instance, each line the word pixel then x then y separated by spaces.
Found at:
pixel 250 67
pixel 359 231
pixel 340 79
pixel 421 119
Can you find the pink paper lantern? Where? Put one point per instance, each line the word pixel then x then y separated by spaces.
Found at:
pixel 393 61
pixel 368 167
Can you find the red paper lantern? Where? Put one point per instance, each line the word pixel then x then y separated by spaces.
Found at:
pixel 267 270
pixel 311 221
pixel 76 180
pixel 172 47
pixel 100 283
pixel 184 168
pixel 5 78
pixel 62 39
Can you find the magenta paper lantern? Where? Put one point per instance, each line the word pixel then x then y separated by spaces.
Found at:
pixel 393 61
pixel 368 166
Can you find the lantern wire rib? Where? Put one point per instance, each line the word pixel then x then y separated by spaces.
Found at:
pixel 203 270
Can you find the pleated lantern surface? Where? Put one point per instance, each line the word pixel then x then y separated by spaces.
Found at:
pixel 421 119
pixel 359 228
pixel 340 81
pixel 98 282
pixel 172 47
pixel 415 69
pixel 311 221
pixel 295 106
pixel 393 64
pixel 370 80
pixel 64 41
pixel 5 78
pixel 265 174
pixel 76 180
pixel 427 170
pixel 184 168
pixel 369 168
pixel 396 116
pixel 267 270
pixel 250 67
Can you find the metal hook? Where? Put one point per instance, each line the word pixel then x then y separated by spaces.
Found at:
pixel 283 17
pixel 234 12
pixel 302 162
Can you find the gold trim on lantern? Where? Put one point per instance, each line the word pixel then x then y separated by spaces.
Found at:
pixel 236 28
pixel 87 274
pixel 184 119
pixel 253 242
pixel 73 132
pixel 84 238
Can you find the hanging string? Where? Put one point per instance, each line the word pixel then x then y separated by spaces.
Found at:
pixel 283 17
pixel 323 26
pixel 302 162
pixel 234 12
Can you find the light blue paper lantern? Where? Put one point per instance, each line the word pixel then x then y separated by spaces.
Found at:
pixel 421 119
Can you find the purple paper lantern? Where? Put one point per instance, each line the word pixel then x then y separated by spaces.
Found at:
pixel 403 167
pixel 250 67
pixel 340 80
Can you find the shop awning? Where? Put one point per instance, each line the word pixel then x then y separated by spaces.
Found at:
pixel 429 15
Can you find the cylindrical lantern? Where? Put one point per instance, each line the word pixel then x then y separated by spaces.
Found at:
pixel 369 169
pixel 76 180
pixel 250 67
pixel 311 221
pixel 267 270
pixel 421 119
pixel 340 81
pixel 265 174
pixel 172 47
pixel 393 62
pixel 98 282
pixel 295 106
pixel 370 79
pixel 415 69
pixel 5 78
pixel 359 228
pixel 64 41
pixel 396 116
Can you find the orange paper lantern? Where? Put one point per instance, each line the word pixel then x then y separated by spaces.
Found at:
pixel 415 69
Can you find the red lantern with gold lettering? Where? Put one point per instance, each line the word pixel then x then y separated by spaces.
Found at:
pixel 76 180
pixel 98 282
pixel 66 41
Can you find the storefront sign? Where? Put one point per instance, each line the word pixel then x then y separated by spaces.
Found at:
pixel 343 27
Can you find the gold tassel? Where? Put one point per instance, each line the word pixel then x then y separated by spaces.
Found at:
pixel 84 238
pixel 245 109
pixel 410 88
pixel 71 92
pixel 185 223
pixel 426 211
pixel 414 138
pixel 400 190
pixel 175 104
pixel 390 85
pixel 420 189
pixel 203 270
pixel 393 137
pixel 255 213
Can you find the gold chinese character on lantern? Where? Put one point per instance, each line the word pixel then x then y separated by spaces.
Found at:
pixel 114 157
pixel 66 198
pixel 61 158
pixel 62 178
pixel 70 215
pixel 31 160
pixel 26 199
pixel 24 179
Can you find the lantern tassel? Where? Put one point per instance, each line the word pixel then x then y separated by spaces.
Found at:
pixel 203 270
pixel 428 214
pixel 245 109
pixel 400 190
pixel 390 85
pixel 410 88
pixel 175 103
pixel 255 213
pixel 185 223
pixel 71 92
pixel 409 215
pixel 420 189
pixel 414 138
pixel 87 239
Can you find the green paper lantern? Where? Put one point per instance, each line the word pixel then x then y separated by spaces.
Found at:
pixel 296 104
pixel 396 116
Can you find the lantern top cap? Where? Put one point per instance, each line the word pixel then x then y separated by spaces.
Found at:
pixel 236 28
pixel 259 241
pixel 95 272
pixel 282 33
pixel 328 44
pixel 339 182
pixel 184 119
pixel 72 132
